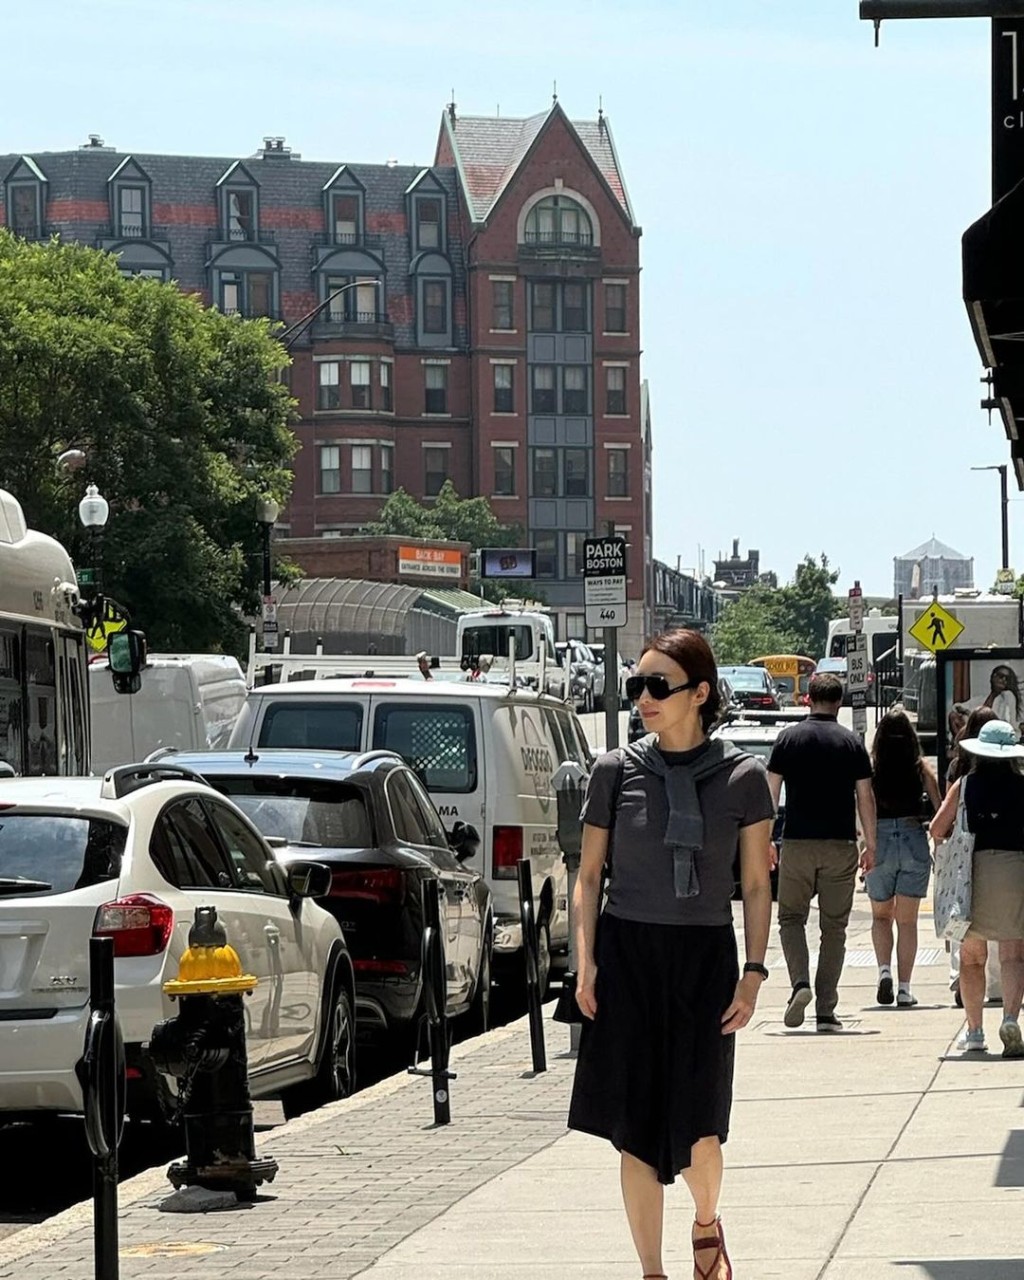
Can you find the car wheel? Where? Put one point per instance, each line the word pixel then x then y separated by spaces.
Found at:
pixel 336 1075
pixel 478 1018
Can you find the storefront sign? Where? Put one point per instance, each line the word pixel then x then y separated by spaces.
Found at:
pixel 429 562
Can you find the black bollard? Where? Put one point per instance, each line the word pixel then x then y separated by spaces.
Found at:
pixel 101 1073
pixel 435 998
pixel 531 965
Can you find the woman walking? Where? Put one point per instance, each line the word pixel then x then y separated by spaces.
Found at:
pixel 993 798
pixel 902 781
pixel 658 975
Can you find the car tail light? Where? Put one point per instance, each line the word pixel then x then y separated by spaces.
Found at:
pixel 382 966
pixel 508 851
pixel 383 886
pixel 140 925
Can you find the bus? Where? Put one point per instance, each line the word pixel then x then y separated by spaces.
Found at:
pixel 792 674
pixel 44 702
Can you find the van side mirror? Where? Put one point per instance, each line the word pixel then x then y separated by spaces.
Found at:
pixel 308 880
pixel 126 654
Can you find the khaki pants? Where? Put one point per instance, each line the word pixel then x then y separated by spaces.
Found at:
pixel 828 869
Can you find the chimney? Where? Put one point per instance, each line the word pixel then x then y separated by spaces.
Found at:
pixel 274 149
pixel 95 143
pixel 735 548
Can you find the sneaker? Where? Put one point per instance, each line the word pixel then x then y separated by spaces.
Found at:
pixel 972 1041
pixel 798 1002
pixel 829 1023
pixel 904 1000
pixel 1013 1044
pixel 884 993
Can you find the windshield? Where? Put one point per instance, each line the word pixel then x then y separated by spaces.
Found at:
pixel 53 853
pixel 493 639
pixel 302 810
pixel 751 678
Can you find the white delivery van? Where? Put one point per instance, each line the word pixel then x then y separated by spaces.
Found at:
pixel 485 752
pixel 188 702
pixel 490 631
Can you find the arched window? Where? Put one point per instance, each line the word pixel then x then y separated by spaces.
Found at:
pixel 558 220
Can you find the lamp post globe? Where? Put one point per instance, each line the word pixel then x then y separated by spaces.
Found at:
pixel 94 509
pixel 267 511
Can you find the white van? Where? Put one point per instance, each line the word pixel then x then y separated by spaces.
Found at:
pixel 188 701
pixel 485 752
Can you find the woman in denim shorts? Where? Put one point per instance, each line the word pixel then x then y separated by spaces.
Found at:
pixel 905 788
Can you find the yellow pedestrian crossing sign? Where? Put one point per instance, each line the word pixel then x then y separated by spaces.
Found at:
pixel 936 628
pixel 99 631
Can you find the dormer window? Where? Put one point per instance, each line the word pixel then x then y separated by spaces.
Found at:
pixel 346 219
pixel 24 203
pixel 428 223
pixel 131 212
pixel 240 205
pixel 558 220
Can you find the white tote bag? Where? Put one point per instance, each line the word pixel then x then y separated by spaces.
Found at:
pixel 953 858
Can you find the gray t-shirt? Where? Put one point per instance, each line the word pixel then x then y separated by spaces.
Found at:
pixel 641 886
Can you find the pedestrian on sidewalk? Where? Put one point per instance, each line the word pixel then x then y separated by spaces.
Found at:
pixel 658 979
pixel 959 764
pixel 827 774
pixel 993 794
pixel 906 797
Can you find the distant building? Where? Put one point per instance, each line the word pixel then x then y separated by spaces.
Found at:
pixel 737 573
pixel 682 600
pixel 931 567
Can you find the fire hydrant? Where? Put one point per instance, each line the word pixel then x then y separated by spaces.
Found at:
pixel 203 1048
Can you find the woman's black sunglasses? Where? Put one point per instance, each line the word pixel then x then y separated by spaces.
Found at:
pixel 657 686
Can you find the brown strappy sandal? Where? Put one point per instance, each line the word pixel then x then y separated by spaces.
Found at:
pixel 655 1275
pixel 716 1242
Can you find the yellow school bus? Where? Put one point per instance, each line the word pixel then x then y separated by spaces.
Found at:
pixel 791 673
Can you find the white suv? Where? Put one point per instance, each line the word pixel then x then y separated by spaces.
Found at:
pixel 130 856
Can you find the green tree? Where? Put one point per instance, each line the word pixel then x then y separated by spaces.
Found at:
pixel 789 619
pixel 183 417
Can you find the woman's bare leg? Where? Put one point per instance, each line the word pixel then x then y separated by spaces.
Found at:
pixel 1011 966
pixel 704 1178
pixel 881 930
pixel 973 953
pixel 644 1198
pixel 906 936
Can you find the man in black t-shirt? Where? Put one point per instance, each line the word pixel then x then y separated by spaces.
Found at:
pixel 827 774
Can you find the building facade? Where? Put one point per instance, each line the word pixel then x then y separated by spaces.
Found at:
pixel 476 320
pixel 933 566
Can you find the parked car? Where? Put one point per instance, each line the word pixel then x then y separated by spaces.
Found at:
pixel 586 674
pixel 486 754
pixel 130 856
pixel 752 687
pixel 369 818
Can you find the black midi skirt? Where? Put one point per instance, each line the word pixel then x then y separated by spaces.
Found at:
pixel 654 1073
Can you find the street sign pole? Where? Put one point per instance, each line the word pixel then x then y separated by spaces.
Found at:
pixel 604 599
pixel 857 662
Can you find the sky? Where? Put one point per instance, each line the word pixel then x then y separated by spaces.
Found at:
pixel 814 382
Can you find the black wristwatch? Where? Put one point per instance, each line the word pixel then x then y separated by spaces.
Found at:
pixel 753 967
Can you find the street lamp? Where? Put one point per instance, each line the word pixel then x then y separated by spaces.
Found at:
pixel 1004 505
pixel 93 511
pixel 267 511
pixel 294 331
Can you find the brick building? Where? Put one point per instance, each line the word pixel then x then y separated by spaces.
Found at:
pixel 476 320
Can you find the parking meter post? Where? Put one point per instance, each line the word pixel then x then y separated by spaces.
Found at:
pixel 531 965
pixel 611 688
pixel 435 999
pixel 203 1048
pixel 102 1076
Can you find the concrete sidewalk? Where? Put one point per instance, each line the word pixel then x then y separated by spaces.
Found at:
pixel 872 1153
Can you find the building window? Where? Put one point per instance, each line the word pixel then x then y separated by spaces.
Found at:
pixel 575 626
pixel 328 394
pixel 386 402
pixel 131 205
pixel 577 473
pixel 574 388
pixel 387 468
pixel 543 309
pixel 504 401
pixel 359 378
pixel 428 224
pixel 230 295
pixel 435 306
pixel 504 471
pixel 543 395
pixel 259 287
pixel 618 473
pixel 615 383
pixel 330 468
pixel 346 219
pixel 241 220
pixel 353 299
pixel 574 555
pixel 558 220
pixel 436 388
pixel 615 308
pixel 435 470
pixel 546 546
pixel 24 202
pixel 503 306
pixel 362 468
pixel 574 308
pixel 545 473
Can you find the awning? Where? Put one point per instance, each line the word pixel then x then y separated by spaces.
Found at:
pixel 993 275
